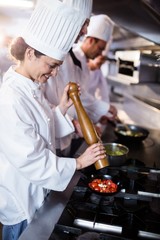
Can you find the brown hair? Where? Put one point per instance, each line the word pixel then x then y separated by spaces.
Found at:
pixel 18 48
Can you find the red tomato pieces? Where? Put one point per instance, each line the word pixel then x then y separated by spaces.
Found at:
pixel 103 186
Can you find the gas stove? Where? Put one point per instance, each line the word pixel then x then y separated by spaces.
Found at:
pixel 132 213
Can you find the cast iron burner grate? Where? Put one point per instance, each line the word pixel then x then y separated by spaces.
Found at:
pixel 101 200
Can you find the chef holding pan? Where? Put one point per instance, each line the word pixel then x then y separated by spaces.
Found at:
pixel 99 34
pixel 28 123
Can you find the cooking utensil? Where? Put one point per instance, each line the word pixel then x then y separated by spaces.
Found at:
pixel 114 179
pixel 117 153
pixel 138 133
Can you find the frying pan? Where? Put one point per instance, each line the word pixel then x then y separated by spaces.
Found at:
pixel 115 179
pixel 142 133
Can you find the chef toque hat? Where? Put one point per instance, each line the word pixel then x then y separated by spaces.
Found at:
pixel 53 28
pixel 85 6
pixel 100 27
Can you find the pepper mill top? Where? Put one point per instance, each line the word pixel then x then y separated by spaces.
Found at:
pixel 73 87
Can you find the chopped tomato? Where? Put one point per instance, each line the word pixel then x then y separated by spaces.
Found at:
pixel 103 186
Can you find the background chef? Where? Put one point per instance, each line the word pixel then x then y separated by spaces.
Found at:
pixel 75 67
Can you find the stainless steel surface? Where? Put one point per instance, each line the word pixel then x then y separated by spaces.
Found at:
pixel 47 216
pixel 135 21
pixel 134 111
pixel 148 235
pixel 116 159
pixel 153 102
pixel 97 226
pixel 84 223
pixel 138 17
pixel 156 195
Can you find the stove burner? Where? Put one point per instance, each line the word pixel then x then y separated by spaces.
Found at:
pixel 101 200
pixel 105 201
pixel 95 198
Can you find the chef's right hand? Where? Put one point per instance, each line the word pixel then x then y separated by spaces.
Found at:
pixel 92 154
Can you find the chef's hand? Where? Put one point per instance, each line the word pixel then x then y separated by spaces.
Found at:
pixel 113 112
pixel 66 101
pixel 92 154
pixel 78 128
pixel 111 116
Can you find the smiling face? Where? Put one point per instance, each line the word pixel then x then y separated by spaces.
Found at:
pixel 38 68
pixel 45 67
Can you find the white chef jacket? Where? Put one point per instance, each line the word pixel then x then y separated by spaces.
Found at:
pixel 28 164
pixel 53 90
pixel 95 107
pixel 69 72
pixel 98 85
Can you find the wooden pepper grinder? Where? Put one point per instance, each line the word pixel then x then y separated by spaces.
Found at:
pixel 88 130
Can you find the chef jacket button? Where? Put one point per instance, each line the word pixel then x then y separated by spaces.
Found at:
pixel 48 119
pixel 50 143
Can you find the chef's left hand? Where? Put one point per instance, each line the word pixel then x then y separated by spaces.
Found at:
pixel 113 112
pixel 111 116
pixel 78 129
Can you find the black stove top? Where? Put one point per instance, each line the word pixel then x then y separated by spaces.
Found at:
pixel 132 213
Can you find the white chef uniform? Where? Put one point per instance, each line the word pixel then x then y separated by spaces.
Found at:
pixel 100 27
pixel 71 72
pixel 54 87
pixel 95 108
pixel 98 85
pixel 30 161
pixel 28 125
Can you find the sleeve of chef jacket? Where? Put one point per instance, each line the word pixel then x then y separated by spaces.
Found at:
pixel 29 152
pixel 63 125
pixel 63 136
pixel 94 107
pixel 101 88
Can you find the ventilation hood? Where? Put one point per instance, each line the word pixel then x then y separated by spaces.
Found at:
pixel 133 18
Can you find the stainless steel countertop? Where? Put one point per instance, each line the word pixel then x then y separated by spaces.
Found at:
pixel 47 216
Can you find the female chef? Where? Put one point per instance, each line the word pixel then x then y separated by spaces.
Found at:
pixel 29 126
